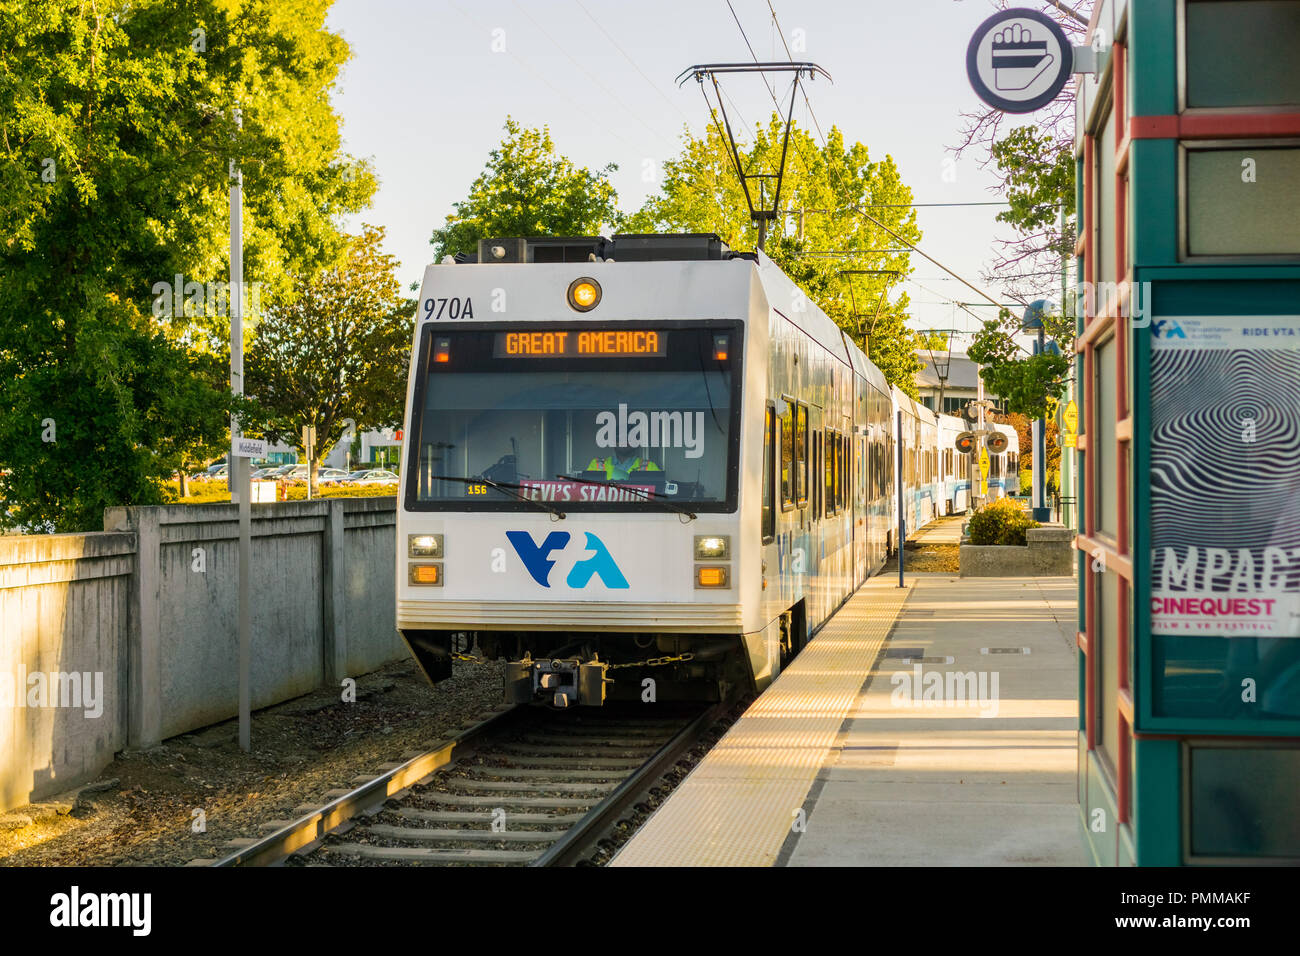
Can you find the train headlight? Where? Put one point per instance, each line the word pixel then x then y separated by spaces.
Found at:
pixel 584 294
pixel 712 577
pixel 424 545
pixel 713 546
pixel 426 574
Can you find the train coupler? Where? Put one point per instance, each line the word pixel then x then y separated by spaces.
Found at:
pixel 561 683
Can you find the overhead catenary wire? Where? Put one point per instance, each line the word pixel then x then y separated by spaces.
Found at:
pixel 633 62
pixel 861 211
pixel 596 80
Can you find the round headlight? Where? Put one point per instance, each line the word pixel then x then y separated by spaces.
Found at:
pixel 584 294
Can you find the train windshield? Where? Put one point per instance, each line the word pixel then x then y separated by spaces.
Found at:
pixel 587 418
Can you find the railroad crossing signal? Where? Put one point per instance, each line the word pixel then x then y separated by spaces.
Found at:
pixel 965 443
pixel 995 442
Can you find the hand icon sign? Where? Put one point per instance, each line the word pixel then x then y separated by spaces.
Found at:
pixel 1018 59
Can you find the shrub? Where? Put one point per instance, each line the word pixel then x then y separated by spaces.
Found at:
pixel 215 492
pixel 1002 522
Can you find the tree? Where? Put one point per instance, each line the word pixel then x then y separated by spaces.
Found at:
pixel 833 183
pixel 528 189
pixel 1026 382
pixel 339 349
pixel 116 134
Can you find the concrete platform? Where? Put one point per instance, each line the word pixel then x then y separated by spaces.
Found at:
pixel 972 766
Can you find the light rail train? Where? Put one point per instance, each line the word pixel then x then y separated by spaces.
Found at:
pixel 644 467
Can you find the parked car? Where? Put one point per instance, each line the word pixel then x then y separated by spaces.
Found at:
pixel 372 476
pixel 331 476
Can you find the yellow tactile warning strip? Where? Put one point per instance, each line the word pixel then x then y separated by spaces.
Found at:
pixel 736 808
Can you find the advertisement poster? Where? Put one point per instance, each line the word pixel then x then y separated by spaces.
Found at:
pixel 1225 476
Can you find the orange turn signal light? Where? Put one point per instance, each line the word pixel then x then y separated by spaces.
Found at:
pixel 426 574
pixel 712 577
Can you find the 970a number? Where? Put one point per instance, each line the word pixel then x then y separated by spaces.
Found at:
pixel 450 308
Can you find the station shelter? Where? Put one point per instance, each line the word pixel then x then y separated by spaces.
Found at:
pixel 1188 153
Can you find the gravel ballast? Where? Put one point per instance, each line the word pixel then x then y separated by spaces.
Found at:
pixel 185 799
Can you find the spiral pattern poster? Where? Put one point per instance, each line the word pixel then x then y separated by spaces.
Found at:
pixel 1225 476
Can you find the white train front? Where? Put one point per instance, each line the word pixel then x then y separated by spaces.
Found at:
pixel 648 451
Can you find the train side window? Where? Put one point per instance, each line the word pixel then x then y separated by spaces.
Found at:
pixel 827 471
pixel 787 458
pixel 769 462
pixel 841 467
pixel 815 461
pixel 801 454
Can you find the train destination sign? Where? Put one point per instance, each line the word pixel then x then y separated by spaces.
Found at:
pixel 569 491
pixel 1019 60
pixel 587 343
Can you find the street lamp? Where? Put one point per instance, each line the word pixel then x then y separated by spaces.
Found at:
pixel 943 361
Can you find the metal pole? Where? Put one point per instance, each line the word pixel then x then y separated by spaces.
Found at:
pixel 979 437
pixel 1040 455
pixel 1067 460
pixel 898 476
pixel 238 468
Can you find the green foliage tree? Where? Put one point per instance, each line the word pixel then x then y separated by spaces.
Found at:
pixel 702 193
pixel 1026 382
pixel 338 349
pixel 528 189
pixel 117 129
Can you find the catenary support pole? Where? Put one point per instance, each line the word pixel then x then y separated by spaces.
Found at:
pixel 237 469
pixel 898 481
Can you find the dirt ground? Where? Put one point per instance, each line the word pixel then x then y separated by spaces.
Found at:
pixel 183 800
pixel 926 557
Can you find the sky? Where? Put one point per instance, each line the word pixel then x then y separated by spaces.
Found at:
pixel 430 84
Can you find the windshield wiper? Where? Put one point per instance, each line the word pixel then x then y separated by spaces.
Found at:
pixel 636 491
pixel 502 487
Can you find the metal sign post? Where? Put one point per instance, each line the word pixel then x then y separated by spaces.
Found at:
pixel 308 443
pixel 237 469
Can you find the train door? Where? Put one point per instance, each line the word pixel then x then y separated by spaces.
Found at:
pixel 860 536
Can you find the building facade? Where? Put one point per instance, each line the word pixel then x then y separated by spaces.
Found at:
pixel 1188 161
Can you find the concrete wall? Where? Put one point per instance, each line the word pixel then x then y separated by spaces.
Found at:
pixel 1049 553
pixel 151 605
pixel 63 610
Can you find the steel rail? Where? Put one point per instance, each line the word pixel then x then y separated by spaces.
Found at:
pixel 312 827
pixel 580 840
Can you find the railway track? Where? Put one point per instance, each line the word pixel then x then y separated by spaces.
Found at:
pixel 525 787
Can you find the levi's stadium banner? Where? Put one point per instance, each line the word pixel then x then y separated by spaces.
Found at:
pixel 563 491
pixel 1225 476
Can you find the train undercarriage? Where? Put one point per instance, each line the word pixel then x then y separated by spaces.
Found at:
pixel 590 669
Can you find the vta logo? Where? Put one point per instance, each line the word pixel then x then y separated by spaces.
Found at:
pixel 1167 328
pixel 537 559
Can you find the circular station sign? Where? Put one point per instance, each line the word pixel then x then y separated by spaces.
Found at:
pixel 1019 60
